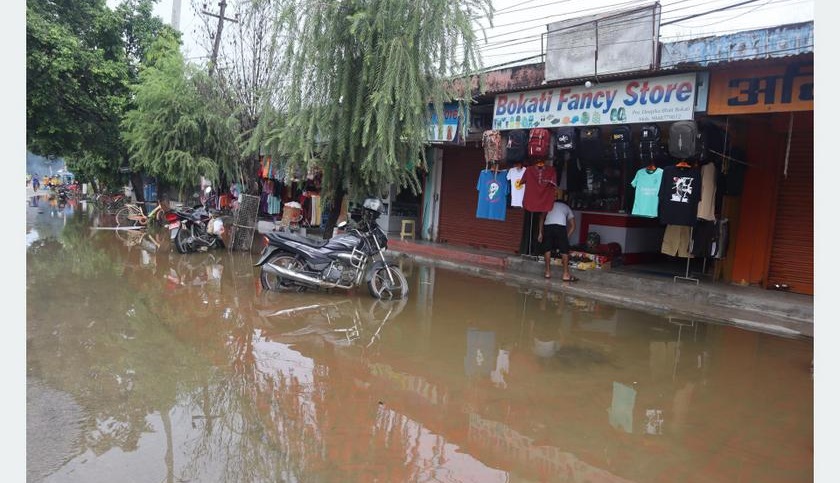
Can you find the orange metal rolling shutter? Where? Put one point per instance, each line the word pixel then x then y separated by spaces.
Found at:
pixel 459 200
pixel 792 253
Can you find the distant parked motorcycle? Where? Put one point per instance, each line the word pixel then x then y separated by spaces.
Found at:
pixel 291 262
pixel 197 228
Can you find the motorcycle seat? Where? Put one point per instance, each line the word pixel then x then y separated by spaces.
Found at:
pixel 279 236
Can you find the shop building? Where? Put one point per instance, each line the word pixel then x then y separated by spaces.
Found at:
pixel 750 97
pixel 762 91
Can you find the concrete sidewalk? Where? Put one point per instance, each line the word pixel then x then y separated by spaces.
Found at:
pixel 752 308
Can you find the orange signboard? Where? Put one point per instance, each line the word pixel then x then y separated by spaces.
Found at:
pixel 782 88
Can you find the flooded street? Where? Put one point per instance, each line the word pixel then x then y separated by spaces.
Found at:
pixel 145 365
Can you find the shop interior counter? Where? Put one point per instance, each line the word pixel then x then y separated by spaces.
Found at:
pixel 640 238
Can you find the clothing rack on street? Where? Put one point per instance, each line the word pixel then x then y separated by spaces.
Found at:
pixel 688 262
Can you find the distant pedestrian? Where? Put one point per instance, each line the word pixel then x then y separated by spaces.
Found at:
pixel 35 184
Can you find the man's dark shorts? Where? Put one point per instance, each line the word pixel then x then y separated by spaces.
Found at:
pixel 555 239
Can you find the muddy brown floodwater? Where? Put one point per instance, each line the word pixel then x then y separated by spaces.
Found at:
pixel 158 367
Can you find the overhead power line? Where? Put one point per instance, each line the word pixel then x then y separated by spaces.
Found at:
pixel 630 20
pixel 708 12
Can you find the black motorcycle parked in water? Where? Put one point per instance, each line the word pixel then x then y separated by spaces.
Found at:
pixel 293 263
pixel 192 229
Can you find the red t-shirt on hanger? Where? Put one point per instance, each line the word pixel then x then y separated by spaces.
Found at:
pixel 540 183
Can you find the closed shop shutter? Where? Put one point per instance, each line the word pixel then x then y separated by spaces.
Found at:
pixel 459 200
pixel 792 253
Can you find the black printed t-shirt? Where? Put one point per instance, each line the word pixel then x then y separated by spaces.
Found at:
pixel 679 194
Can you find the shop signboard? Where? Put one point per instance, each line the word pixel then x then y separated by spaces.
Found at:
pixel 606 43
pixel 656 99
pixel 780 88
pixel 448 130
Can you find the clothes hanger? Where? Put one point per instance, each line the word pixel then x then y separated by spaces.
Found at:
pixel 651 167
pixel 683 164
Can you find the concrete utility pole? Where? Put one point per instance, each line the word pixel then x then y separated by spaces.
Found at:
pixel 176 15
pixel 218 39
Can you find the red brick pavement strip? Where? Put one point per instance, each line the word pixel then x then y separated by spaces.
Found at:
pixel 447 254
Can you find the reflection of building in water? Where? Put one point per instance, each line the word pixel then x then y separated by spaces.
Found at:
pixel 621 411
pixel 682 401
pixel 549 461
pixel 425 304
pixel 662 359
pixel 284 370
pixel 481 345
pixel 432 458
pixel 407 382
pixel 544 348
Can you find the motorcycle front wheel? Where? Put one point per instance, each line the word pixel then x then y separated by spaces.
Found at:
pixel 181 241
pixel 275 283
pixel 382 287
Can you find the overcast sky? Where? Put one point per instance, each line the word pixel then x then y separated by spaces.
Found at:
pixel 518 24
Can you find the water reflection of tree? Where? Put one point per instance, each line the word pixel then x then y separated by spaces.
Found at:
pixel 127 346
pixel 92 336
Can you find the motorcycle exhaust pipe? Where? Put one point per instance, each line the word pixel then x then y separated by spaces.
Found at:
pixel 295 276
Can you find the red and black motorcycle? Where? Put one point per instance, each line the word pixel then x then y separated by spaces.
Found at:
pixel 196 228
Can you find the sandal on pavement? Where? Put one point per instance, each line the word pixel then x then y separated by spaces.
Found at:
pixel 572 279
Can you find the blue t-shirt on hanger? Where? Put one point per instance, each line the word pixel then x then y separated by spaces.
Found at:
pixel 492 195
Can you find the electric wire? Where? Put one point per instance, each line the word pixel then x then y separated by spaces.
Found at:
pixel 630 20
pixel 508 43
pixel 643 17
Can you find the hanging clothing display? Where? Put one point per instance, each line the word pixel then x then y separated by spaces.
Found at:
pixel 677 241
pixel 721 238
pixel 316 211
pixel 563 183
pixel 269 201
pixel 517 189
pixel 492 195
pixel 647 184
pixel 679 193
pixel 703 238
pixel 706 206
pixel 540 182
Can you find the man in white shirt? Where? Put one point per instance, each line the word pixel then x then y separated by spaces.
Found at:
pixel 556 227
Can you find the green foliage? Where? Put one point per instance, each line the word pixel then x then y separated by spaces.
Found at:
pixel 81 58
pixel 76 82
pixel 360 77
pixel 179 129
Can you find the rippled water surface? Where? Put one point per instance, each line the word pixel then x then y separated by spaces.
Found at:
pixel 158 367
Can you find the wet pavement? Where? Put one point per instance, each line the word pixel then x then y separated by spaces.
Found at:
pixel 156 366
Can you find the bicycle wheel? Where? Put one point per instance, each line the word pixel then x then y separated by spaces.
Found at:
pixel 129 215
pixel 115 205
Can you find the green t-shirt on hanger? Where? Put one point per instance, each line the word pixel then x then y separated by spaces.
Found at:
pixel 646 202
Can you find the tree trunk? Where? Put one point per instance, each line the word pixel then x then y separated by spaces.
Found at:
pixel 332 220
pixel 137 186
